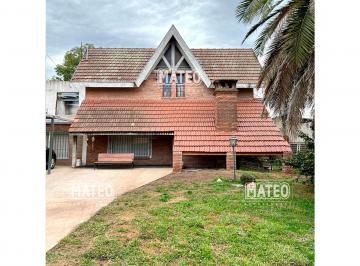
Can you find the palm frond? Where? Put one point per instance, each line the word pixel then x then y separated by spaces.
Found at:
pixel 287 42
pixel 257 25
pixel 270 29
pixel 248 10
pixel 300 31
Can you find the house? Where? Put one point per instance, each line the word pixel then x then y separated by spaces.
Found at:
pixel 172 106
pixel 62 101
pixel 297 143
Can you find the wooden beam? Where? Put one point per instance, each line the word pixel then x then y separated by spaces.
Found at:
pixel 178 63
pixel 172 55
pixel 258 154
pixel 166 62
pixel 204 153
pixel 237 154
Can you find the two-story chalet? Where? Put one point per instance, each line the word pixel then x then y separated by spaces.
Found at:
pixel 172 105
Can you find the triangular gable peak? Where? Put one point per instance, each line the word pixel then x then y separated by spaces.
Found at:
pixel 169 44
pixel 172 58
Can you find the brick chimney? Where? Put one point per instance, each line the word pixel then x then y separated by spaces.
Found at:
pixel 226 105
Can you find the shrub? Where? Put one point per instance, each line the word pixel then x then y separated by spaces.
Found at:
pixel 247 178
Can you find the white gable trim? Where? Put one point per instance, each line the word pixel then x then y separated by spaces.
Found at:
pixel 159 52
pixel 103 84
pixel 245 85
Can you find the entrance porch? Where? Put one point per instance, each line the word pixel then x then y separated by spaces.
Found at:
pixel 149 149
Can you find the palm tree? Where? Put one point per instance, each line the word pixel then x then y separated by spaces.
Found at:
pixel 286 41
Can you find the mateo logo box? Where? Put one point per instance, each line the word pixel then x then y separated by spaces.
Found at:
pixel 268 190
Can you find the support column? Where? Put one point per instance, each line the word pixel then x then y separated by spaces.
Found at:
pixel 84 150
pixel 50 146
pixel 73 151
pixel 177 161
pixel 229 161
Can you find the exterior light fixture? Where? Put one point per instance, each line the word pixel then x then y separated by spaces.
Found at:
pixel 233 144
pixel 233 141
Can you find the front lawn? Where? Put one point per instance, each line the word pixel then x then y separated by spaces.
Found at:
pixel 190 219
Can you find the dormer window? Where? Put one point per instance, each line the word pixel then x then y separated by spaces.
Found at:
pixel 167 86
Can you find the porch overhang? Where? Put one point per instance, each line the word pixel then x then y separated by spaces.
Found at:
pixel 169 133
pixel 237 153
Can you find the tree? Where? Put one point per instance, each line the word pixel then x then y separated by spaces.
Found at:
pixel 71 59
pixel 286 41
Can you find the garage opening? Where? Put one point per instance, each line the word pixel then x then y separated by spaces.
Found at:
pixel 204 161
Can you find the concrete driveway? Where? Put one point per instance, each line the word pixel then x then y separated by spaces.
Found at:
pixel 74 195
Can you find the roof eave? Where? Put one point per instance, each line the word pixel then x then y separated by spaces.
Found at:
pixel 105 84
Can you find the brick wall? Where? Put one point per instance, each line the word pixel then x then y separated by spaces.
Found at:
pixel 204 161
pixel 246 93
pixel 58 127
pixel 229 161
pixel 150 89
pixel 96 147
pixel 226 109
pixel 161 150
pixel 177 161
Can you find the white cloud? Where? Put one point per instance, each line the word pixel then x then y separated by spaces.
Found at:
pixel 140 23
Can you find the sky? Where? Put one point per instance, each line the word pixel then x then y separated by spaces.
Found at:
pixel 139 23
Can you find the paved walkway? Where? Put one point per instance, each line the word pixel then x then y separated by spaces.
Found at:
pixel 74 195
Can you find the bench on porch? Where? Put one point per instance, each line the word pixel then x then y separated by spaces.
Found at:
pixel 115 159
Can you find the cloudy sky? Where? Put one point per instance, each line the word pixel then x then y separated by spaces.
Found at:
pixel 139 23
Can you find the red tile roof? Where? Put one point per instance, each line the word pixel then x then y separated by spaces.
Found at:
pixel 125 64
pixel 229 63
pixel 191 121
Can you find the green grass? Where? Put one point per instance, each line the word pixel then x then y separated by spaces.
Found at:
pixel 178 221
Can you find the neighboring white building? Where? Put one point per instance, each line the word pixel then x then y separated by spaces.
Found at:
pixel 297 144
pixel 62 99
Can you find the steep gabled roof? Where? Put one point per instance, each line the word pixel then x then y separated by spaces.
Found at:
pixel 133 65
pixel 192 121
pixel 159 52
pixel 125 64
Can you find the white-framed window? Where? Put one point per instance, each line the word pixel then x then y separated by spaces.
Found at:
pixel 167 86
pixel 297 147
pixel 141 146
pixel 180 85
